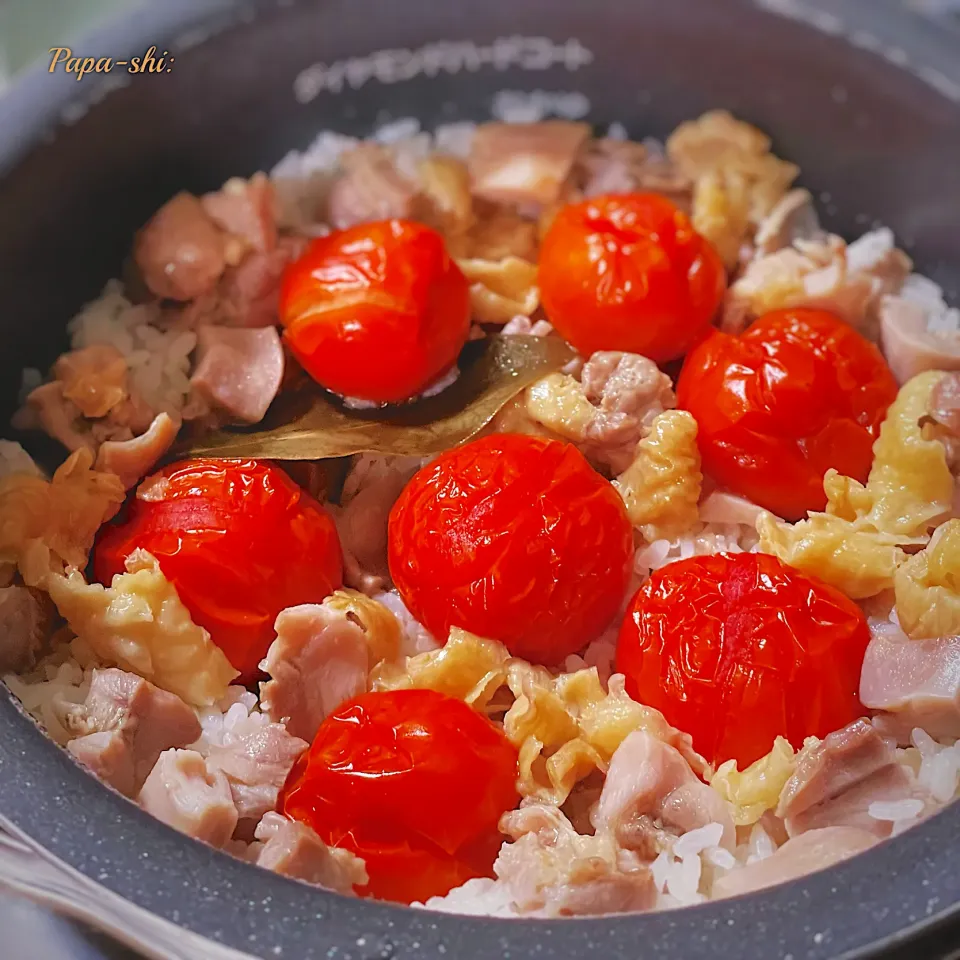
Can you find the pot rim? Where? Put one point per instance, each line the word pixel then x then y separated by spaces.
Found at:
pixel 896 890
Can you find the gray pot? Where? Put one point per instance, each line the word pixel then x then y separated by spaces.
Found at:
pixel 864 97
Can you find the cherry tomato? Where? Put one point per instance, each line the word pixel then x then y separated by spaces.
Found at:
pixel 629 272
pixel 238 539
pixel 514 538
pixel 377 312
pixel 798 393
pixel 737 650
pixel 412 781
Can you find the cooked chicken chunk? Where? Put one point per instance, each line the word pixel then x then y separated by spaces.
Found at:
pixel 807 853
pixel 125 724
pixel 293 849
pixel 190 795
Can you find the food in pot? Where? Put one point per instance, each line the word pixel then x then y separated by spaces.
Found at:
pixel 508 520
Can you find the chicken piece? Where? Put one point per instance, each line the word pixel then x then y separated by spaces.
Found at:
pixel 248 293
pixel 552 871
pixel 25 617
pixel 827 767
pixel 238 372
pixel 799 856
pixel 247 210
pixel 622 166
pixel 140 624
pixel 825 273
pixel 371 188
pixel 293 849
pixel 180 251
pixel 837 779
pixel 321 658
pixel 793 218
pixel 918 331
pixel 47 409
pixel 916 682
pixel 256 758
pixel 189 795
pixel 499 232
pixel 526 163
pixel 445 202
pixel 46 525
pixel 94 378
pixel 649 778
pixel 132 460
pixel 124 725
pixel 945 403
pixel 369 493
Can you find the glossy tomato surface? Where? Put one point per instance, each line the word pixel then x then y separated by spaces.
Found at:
pixel 777 406
pixel 238 539
pixel 629 272
pixel 412 781
pixel 377 312
pixel 514 538
pixel 737 650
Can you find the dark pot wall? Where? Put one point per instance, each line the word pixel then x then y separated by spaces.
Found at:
pixel 875 139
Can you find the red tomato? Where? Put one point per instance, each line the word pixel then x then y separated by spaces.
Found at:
pixel 413 781
pixel 239 540
pixel 629 272
pixel 737 650
pixel 776 407
pixel 514 538
pixel 377 312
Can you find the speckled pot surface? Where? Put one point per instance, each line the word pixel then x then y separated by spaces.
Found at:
pixel 865 98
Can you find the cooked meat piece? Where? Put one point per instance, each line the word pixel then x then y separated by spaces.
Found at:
pixel 191 796
pixel 837 779
pixel 245 209
pixel 132 460
pixel 180 252
pixel 807 853
pixel 238 371
pixel 126 723
pixel 916 681
pixel 525 163
pixel 622 166
pixel 945 403
pixel 248 293
pixel 58 416
pixel 630 391
pixel 371 188
pixel 851 807
pixel 94 378
pixel 25 616
pixel 256 758
pixel 918 331
pixel 552 871
pixel 318 660
pixel 370 491
pixel 293 849
pixel 827 768
pixel 793 218
pixel 720 506
pixel 649 778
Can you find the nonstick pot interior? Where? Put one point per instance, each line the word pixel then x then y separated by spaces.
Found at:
pixel 863 97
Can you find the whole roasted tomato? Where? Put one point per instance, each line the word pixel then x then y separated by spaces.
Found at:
pixel 629 272
pixel 514 538
pixel 377 312
pixel 238 539
pixel 412 781
pixel 737 650
pixel 798 393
